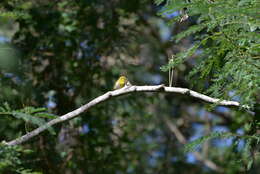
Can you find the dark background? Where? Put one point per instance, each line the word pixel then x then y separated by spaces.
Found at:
pixel 62 54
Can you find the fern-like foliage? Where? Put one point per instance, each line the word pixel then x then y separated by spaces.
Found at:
pixel 11 160
pixel 193 145
pixel 228 35
pixel 246 151
pixel 31 115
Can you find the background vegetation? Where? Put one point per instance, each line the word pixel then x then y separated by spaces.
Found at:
pixel 57 55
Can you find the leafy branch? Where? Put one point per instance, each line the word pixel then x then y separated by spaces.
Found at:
pixel 30 115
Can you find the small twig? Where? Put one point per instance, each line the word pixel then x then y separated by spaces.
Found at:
pixel 122 91
pixel 171 77
pixel 170 72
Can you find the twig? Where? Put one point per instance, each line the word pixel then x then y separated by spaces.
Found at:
pixel 170 72
pixel 122 91
pixel 171 77
pixel 180 137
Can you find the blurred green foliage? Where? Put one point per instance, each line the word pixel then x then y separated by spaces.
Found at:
pixel 62 54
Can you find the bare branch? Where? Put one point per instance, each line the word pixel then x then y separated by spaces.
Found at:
pixel 122 91
pixel 180 137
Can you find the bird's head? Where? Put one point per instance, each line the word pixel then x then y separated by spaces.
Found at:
pixel 122 78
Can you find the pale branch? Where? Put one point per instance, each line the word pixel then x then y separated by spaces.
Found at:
pixel 122 91
pixel 180 137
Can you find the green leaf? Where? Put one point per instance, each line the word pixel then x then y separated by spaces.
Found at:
pixel 28 118
pixel 33 120
pixel 45 115
pixel 250 164
pixel 158 2
pixel 192 146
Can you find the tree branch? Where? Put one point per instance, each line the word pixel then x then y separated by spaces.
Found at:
pixel 122 91
pixel 180 137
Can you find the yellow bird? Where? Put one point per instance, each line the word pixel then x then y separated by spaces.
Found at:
pixel 121 82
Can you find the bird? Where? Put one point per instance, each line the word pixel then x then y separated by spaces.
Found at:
pixel 121 82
